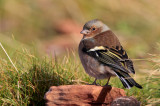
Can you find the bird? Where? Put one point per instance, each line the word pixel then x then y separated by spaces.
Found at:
pixel 103 56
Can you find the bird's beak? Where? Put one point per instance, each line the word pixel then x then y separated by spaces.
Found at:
pixel 85 32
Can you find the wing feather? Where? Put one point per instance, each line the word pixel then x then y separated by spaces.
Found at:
pixel 107 58
pixel 118 60
pixel 113 57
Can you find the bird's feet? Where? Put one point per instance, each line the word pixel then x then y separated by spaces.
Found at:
pixel 107 86
pixel 94 83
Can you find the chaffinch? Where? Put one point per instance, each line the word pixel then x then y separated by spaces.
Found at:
pixel 102 55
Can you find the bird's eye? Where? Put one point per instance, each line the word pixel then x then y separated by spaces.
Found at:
pixel 93 29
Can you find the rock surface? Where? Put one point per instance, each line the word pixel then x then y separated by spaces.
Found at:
pixel 125 101
pixel 80 95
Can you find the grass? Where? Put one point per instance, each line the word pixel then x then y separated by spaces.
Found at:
pixel 33 21
pixel 36 74
pixel 33 79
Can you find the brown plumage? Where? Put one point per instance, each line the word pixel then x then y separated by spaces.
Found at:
pixel 102 55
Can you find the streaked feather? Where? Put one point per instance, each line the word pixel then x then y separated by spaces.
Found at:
pixel 118 60
pixel 124 58
pixel 127 80
pixel 107 58
pixel 117 54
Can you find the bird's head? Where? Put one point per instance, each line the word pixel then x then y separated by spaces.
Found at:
pixel 93 28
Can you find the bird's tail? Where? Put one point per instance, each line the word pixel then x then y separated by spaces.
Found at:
pixel 127 80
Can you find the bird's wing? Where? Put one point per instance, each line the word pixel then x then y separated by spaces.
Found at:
pixel 124 58
pixel 113 57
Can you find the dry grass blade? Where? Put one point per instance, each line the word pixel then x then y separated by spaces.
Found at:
pixel 8 57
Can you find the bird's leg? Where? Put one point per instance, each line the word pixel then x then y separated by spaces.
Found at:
pixel 107 82
pixel 94 83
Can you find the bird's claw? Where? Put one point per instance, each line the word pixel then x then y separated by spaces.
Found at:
pixel 107 86
pixel 94 83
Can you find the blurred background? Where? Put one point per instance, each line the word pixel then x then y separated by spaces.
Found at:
pixel 32 29
pixel 54 25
